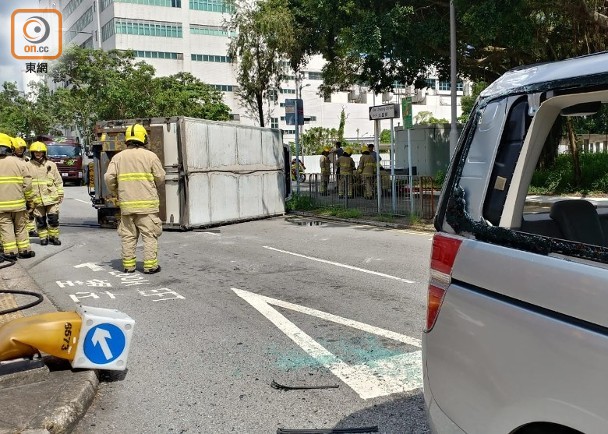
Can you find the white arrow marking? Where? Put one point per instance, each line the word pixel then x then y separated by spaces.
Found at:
pixel 90 265
pixel 395 374
pixel 337 264
pixel 100 336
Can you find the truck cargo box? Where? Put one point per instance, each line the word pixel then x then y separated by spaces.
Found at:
pixel 217 172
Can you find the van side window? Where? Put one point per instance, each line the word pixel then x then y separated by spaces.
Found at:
pixel 512 140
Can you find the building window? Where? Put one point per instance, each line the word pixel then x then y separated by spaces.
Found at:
pixel 288 91
pixel 315 75
pixel 289 131
pixel 165 3
pixel 79 25
pixel 223 87
pixel 142 28
pixel 446 85
pixel 210 58
pixel 274 123
pixel 88 43
pixel 197 29
pixel 313 119
pixel 70 7
pixel 431 83
pixel 158 55
pixel 104 4
pixel 327 98
pixel 211 6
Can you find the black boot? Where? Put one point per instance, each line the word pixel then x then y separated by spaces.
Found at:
pixel 54 241
pixel 11 256
pixel 44 242
pixel 26 255
pixel 33 233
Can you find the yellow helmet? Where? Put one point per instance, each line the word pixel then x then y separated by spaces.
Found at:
pixel 364 148
pixel 326 149
pixel 6 141
pixel 18 142
pixel 38 147
pixel 136 133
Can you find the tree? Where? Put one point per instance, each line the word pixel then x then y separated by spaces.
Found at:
pixel 104 85
pixel 263 35
pixel 315 139
pixel 183 94
pixel 467 102
pixel 380 43
pixel 22 113
pixel 427 118
pixel 100 85
pixel 385 136
pixel 341 126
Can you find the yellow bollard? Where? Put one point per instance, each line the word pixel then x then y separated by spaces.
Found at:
pixel 54 333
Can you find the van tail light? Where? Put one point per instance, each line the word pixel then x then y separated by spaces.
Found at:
pixel 443 255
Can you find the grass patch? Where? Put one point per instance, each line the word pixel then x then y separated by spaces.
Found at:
pixel 298 202
pixel 345 213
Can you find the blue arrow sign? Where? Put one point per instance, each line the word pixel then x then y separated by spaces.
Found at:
pixel 104 343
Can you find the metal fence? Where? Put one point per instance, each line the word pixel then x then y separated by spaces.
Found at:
pixel 401 195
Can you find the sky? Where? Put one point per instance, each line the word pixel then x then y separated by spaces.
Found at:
pixel 11 69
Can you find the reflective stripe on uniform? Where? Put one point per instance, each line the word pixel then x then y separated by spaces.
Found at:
pixel 139 204
pixel 136 177
pixel 9 246
pixel 150 264
pixel 21 245
pixel 12 203
pixel 11 179
pixel 129 263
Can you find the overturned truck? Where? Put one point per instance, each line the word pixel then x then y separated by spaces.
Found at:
pixel 217 172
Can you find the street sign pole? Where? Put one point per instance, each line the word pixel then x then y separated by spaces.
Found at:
pixel 297 138
pixel 377 146
pixel 406 110
pixel 393 183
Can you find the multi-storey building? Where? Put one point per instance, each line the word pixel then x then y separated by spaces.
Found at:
pixel 191 36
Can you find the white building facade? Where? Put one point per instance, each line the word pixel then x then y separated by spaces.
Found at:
pixel 190 36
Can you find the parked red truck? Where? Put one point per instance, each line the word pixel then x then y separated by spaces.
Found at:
pixel 67 153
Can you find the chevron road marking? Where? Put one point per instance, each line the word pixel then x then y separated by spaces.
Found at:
pixel 395 374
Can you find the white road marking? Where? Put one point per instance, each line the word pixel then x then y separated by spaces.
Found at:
pixel 337 264
pixel 209 233
pixel 90 265
pixel 83 201
pixel 382 377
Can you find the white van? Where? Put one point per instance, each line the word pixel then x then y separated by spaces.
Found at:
pixel 516 338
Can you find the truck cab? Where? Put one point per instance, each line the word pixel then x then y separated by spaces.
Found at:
pixel 67 154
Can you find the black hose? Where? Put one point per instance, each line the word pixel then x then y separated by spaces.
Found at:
pixel 6 261
pixel 26 306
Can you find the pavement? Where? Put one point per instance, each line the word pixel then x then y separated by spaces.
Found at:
pixel 44 395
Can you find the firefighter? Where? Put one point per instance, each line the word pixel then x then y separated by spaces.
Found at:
pixel 19 152
pixel 15 199
pixel 346 167
pixel 48 194
pixel 134 176
pixel 325 165
pixel 367 169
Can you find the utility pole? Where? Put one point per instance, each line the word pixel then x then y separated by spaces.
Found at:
pixel 453 72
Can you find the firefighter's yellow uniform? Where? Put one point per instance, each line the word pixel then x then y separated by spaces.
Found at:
pixel 48 194
pixel 367 169
pixel 134 176
pixel 325 164
pixel 347 168
pixel 15 195
pixel 19 152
